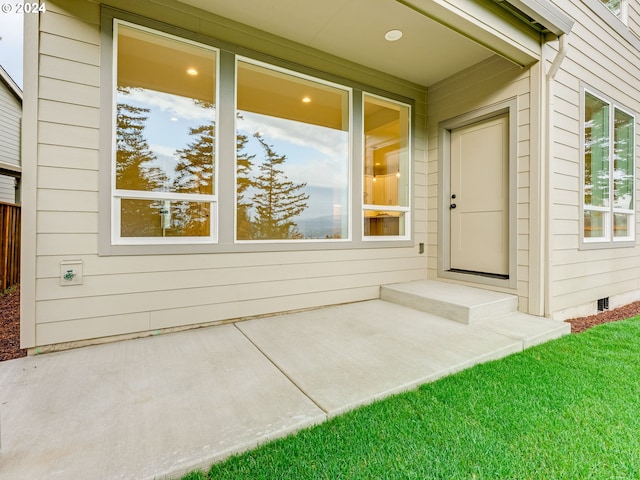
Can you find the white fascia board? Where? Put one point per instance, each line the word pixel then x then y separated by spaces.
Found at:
pixel 546 14
pixel 485 23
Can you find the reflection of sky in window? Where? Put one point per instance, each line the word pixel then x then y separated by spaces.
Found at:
pixel 316 155
pixel 169 120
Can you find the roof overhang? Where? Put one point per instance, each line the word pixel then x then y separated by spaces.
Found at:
pixel 10 169
pixel 545 14
pixel 441 37
pixel 513 29
pixel 13 86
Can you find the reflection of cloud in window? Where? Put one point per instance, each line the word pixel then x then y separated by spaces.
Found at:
pixel 330 142
pixel 182 107
pixel 323 151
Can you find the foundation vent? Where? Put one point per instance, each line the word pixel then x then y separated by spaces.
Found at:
pixel 603 304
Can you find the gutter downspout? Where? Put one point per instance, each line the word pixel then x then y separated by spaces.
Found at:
pixel 546 175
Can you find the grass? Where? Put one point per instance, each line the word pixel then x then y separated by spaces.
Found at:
pixel 569 409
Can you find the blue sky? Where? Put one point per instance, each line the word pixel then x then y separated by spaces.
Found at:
pixel 11 45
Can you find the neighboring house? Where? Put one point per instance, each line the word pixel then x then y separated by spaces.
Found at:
pixel 10 118
pixel 191 162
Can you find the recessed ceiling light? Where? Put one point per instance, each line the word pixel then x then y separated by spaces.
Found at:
pixel 306 100
pixel 192 71
pixel 393 35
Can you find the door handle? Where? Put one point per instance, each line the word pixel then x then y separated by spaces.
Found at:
pixel 453 205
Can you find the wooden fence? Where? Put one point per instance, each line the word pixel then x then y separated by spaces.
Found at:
pixel 9 245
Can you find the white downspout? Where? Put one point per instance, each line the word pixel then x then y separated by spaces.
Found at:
pixel 546 174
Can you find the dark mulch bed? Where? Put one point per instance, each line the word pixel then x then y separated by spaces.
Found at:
pixel 10 322
pixel 627 311
pixel 10 325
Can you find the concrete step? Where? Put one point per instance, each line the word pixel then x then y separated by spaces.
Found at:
pixel 455 302
pixel 529 329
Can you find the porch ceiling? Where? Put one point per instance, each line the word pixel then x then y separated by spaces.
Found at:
pixel 354 30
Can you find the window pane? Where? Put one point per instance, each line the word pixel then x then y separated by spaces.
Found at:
pixel 594 224
pixel 623 161
pixel 596 152
pixel 386 159
pixel 164 218
pixel 614 5
pixel 381 223
pixel 622 225
pixel 165 114
pixel 292 160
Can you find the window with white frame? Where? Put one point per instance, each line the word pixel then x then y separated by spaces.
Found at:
pixel 291 179
pixel 292 156
pixel 617 7
pixel 165 109
pixel 386 168
pixel 609 183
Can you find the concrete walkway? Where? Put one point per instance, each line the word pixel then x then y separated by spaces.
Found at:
pixel 159 406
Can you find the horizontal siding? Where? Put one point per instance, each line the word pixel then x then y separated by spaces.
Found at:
pixel 128 294
pixel 86 307
pixel 10 118
pixel 67 201
pixel 7 189
pixel 68 157
pixel 48 267
pixel 610 65
pixel 261 277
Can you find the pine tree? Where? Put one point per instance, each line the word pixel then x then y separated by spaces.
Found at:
pixel 134 171
pixel 244 166
pixel 194 174
pixel 278 200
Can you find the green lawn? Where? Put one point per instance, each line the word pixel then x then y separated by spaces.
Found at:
pixel 569 409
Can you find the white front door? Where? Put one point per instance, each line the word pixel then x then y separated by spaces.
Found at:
pixel 479 203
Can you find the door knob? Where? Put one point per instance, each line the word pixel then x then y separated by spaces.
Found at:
pixel 453 205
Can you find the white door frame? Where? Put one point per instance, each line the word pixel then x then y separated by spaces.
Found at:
pixel 509 107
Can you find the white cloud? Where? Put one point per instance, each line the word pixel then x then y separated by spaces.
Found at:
pixel 325 166
pixel 181 107
pixel 328 141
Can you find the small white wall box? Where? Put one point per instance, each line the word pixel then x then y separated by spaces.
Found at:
pixel 70 272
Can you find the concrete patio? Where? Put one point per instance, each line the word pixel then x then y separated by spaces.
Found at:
pixel 159 406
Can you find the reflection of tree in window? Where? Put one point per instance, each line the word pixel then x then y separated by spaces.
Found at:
pixel 277 201
pixel 623 160
pixel 244 181
pixel 596 184
pixel 194 174
pixel 134 171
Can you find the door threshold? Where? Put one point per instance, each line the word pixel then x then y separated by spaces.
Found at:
pixel 480 274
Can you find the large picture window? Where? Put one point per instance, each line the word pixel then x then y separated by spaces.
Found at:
pixel 292 158
pixel 164 175
pixel 609 133
pixel 233 153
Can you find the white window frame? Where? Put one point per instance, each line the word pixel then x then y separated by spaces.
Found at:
pixel 224 229
pixel 624 10
pixel 608 239
pixel 293 73
pixel 400 209
pixel 117 195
